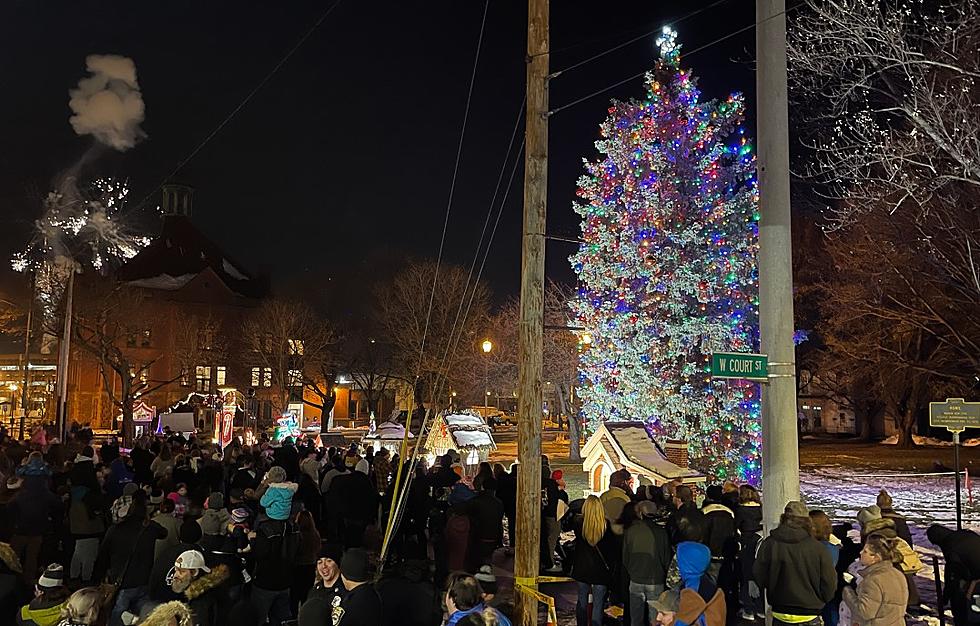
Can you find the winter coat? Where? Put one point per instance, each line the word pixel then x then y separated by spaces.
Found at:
pixel 274 549
pixel 127 552
pixel 361 607
pixel 160 591
pixel 486 514
pixel 901 525
pixel 44 610
pixel 85 513
pixel 796 571
pixel 596 564
pixel 354 497
pixel 646 552
pixel 34 508
pixel 169 523
pixel 748 519
pixel 119 476
pixel 961 549
pixel 614 500
pixel 719 530
pixel 13 591
pixel 501 619
pixel 407 599
pixel 207 597
pixel 692 514
pixel 702 602
pixel 885 527
pixel 880 598
pixel 278 500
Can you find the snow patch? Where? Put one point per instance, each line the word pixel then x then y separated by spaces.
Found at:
pixel 472 438
pixel 232 271
pixel 165 282
pixel 931 441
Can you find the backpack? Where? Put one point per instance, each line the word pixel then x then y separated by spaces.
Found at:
pixel 911 563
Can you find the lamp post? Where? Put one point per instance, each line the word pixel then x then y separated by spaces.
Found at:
pixel 487 347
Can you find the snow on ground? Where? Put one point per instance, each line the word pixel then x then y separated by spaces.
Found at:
pixel 923 499
pixel 931 441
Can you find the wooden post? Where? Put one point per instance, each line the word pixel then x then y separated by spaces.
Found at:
pixel 940 605
pixel 530 346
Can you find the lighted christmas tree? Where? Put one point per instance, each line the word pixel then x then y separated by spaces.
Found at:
pixel 667 269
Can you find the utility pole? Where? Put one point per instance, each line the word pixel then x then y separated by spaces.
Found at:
pixel 63 355
pixel 530 344
pixel 780 449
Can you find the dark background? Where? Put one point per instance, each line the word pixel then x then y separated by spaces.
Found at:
pixel 339 169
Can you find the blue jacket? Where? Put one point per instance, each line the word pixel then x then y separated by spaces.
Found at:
pixel 458 615
pixel 278 500
pixel 693 560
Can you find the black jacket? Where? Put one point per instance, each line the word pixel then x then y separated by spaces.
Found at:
pixel 127 552
pixel 318 608
pixel 355 496
pixel 796 571
pixel 274 549
pixel 408 601
pixel 486 515
pixel 595 564
pixel 646 553
pixel 961 549
pixel 361 606
pixel 207 597
pixel 719 530
pixel 748 519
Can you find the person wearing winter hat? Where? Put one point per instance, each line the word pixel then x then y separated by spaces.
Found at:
pixel 275 544
pixel 189 538
pixel 199 586
pixel 795 570
pixel 328 589
pixel 50 597
pixel 885 505
pixel 361 606
pixel 488 582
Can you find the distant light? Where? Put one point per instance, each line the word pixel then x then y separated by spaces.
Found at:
pixel 487 346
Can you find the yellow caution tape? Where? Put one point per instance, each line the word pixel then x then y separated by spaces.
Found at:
pixel 555 579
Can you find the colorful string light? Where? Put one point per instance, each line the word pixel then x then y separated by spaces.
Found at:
pixel 667 271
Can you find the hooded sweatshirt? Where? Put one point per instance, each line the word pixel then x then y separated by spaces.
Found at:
pixel 702 603
pixel 796 571
pixel 278 499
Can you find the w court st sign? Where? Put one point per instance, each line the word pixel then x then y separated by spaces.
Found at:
pixel 740 365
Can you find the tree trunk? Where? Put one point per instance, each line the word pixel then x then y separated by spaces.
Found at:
pixel 327 405
pixel 127 411
pixel 574 452
pixel 864 434
pixel 906 423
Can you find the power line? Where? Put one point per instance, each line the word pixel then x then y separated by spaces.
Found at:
pixel 635 39
pixel 241 105
pixel 694 51
pixel 452 188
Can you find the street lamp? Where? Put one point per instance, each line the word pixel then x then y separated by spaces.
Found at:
pixel 487 347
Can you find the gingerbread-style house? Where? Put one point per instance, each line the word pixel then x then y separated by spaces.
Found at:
pixel 617 445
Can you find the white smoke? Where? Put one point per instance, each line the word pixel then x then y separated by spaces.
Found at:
pixel 108 104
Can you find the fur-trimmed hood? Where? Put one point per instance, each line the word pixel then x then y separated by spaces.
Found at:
pixel 169 613
pixel 218 575
pixel 716 507
pixel 9 558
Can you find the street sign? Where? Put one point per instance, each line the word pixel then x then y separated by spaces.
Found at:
pixel 741 365
pixel 955 414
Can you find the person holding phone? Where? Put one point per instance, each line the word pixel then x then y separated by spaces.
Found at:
pixel 881 595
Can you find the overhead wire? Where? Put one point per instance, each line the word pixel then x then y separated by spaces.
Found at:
pixel 241 105
pixel 645 35
pixel 685 54
pixel 432 293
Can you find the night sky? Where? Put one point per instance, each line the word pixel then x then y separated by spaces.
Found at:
pixel 340 167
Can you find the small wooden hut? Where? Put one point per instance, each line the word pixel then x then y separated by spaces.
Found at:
pixel 466 433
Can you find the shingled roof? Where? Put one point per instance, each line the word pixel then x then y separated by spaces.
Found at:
pixel 180 253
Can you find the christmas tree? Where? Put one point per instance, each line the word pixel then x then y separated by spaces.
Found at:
pixel 667 271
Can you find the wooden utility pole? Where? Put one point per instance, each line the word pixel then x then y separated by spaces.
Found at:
pixel 530 346
pixel 780 451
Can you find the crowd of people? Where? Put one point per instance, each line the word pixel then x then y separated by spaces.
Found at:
pixel 177 532
pixel 666 559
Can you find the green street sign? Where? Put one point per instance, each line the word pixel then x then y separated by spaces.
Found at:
pixel 740 365
pixel 955 414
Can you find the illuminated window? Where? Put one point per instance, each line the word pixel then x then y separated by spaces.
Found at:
pixel 145 338
pixel 295 378
pixel 202 378
pixel 220 375
pixel 261 377
pixel 296 346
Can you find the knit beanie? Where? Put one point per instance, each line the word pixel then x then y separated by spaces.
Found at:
pixel 868 513
pixel 53 577
pixel 215 501
pixel 884 500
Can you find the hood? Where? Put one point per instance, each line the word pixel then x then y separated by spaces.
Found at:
pixel 693 607
pixel 9 558
pixel 200 586
pixel 168 614
pixel 717 507
pixel 692 562
pixel 789 534
pixel 290 487
pixel 881 526
pixel 937 534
